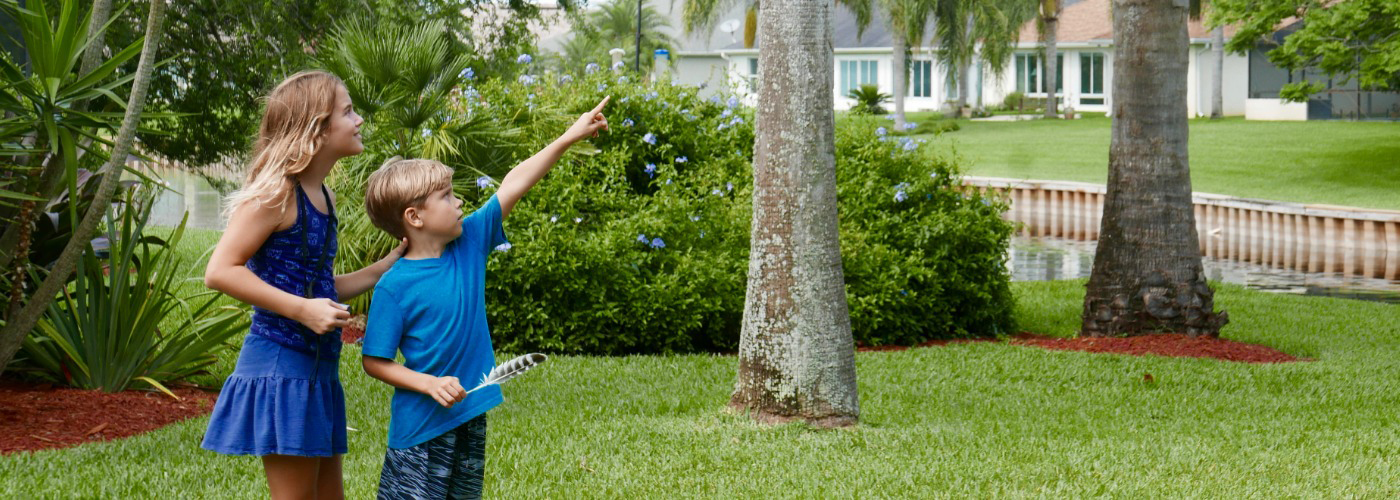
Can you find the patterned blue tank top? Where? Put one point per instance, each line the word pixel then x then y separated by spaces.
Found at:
pixel 298 260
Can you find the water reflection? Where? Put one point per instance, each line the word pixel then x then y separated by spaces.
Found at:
pixel 1045 259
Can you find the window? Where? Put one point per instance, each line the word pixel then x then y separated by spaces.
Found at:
pixel 1029 69
pixel 857 73
pixel 923 79
pixel 1091 73
pixel 753 67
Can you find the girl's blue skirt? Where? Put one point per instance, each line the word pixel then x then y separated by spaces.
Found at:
pixel 280 402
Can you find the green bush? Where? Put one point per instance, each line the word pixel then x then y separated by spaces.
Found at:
pixel 638 241
pixel 868 100
pixel 1013 101
pixel 104 332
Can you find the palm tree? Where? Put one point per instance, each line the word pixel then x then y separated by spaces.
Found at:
pixel 1147 275
pixel 908 18
pixel 614 24
pixel 18 325
pixel 995 23
pixel 796 353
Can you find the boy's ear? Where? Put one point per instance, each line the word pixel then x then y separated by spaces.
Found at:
pixel 412 218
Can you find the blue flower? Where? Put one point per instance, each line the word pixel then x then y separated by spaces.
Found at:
pixel 910 126
pixel 468 74
pixel 657 243
pixel 590 68
pixel 602 87
pixel 470 94
pixel 682 159
pixel 554 218
pixel 651 170
pixel 732 102
pixel 702 234
pixel 503 247
pixel 565 79
pixel 530 96
pixel 483 182
pixel 524 59
pixel 909 144
pixel 928 196
pixel 578 220
pixel 622 79
pixel 904 292
pixel 650 138
pixel 729 186
pixel 695 218
pixel 527 79
pixel 650 95
pixel 881 131
pixel 986 202
pixel 726 113
pixel 668 182
pixel 617 66
pixel 714 99
pixel 737 120
pixel 902 185
pixel 642 238
pixel 720 126
pixel 628 122
pixel 716 192
pixel 900 196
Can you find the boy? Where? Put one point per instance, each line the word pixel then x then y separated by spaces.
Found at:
pixel 431 307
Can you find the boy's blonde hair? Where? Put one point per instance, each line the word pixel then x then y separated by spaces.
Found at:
pixel 399 184
pixel 296 115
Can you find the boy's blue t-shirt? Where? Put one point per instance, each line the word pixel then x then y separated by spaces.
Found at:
pixel 434 312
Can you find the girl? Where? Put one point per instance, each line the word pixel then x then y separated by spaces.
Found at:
pixel 284 401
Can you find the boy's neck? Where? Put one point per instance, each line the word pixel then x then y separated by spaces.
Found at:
pixel 424 246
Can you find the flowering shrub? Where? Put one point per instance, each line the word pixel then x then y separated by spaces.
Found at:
pixel 638 242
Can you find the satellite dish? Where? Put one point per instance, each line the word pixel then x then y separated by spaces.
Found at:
pixel 730 26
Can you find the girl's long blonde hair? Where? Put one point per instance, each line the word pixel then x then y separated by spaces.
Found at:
pixel 295 117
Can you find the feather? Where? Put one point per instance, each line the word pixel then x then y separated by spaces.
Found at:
pixel 509 369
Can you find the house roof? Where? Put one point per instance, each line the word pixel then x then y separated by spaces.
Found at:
pixel 1092 21
pixel 845 33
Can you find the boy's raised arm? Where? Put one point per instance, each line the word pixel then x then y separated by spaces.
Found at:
pixel 528 172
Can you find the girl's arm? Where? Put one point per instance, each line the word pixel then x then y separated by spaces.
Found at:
pixel 349 285
pixel 446 390
pixel 528 172
pixel 248 228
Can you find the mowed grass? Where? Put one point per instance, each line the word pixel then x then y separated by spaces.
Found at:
pixel 1331 162
pixel 986 420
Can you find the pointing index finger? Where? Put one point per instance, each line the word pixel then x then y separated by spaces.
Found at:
pixel 601 104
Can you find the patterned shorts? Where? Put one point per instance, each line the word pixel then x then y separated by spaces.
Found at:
pixel 448 466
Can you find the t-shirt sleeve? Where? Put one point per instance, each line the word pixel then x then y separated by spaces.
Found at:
pixel 384 327
pixel 484 227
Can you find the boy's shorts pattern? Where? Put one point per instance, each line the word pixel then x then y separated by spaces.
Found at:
pixel 448 466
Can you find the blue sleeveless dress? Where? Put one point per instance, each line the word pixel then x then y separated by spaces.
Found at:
pixel 284 397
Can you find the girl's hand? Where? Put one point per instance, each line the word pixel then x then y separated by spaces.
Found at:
pixel 394 254
pixel 322 315
pixel 588 124
pixel 446 390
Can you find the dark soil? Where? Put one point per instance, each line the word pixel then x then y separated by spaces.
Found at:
pixel 1167 344
pixel 40 416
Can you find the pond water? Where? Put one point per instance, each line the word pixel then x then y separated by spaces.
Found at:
pixel 1031 258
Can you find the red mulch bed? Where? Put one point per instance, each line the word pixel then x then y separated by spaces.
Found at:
pixel 1166 344
pixel 40 416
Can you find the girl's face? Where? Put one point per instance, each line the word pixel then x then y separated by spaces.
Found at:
pixel 342 135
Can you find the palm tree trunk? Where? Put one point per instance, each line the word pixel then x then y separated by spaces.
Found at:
pixel 796 353
pixel 1217 80
pixel 900 71
pixel 17 327
pixel 964 67
pixel 1052 26
pixel 1147 274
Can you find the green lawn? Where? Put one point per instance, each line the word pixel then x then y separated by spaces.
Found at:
pixel 984 420
pixel 1340 163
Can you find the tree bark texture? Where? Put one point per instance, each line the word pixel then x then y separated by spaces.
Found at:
pixel 965 68
pixel 796 353
pixel 1217 80
pixel 1147 275
pixel 900 70
pixel 1052 30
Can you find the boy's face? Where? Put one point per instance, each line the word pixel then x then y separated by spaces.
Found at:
pixel 440 217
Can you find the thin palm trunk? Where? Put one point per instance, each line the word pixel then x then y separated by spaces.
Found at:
pixel 1052 26
pixel 964 67
pixel 1217 80
pixel 17 327
pixel 901 76
pixel 796 354
pixel 1147 275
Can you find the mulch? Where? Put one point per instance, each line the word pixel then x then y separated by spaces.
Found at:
pixel 1164 344
pixel 41 416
